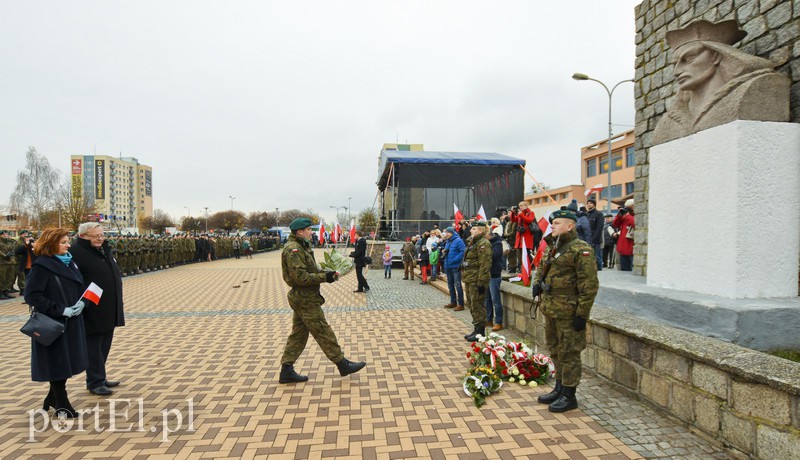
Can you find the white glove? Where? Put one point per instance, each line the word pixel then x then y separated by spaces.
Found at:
pixel 78 307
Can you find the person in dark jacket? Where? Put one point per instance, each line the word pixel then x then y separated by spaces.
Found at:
pixel 96 262
pixel 596 230
pixel 54 288
pixel 25 258
pixel 359 258
pixel 453 257
pixel 493 302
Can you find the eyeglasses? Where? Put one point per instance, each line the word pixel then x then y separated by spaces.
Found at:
pixel 96 237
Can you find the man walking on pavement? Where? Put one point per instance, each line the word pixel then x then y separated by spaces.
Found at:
pixel 567 284
pixel 301 273
pixel 360 259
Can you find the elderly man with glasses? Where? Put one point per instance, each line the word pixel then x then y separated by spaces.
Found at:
pixel 96 262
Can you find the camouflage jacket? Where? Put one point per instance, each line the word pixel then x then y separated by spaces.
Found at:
pixel 572 278
pixel 301 273
pixel 409 252
pixel 477 261
pixel 8 249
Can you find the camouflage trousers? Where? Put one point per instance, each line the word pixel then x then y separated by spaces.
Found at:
pixel 476 304
pixel 8 273
pixel 565 345
pixel 305 320
pixel 21 280
pixel 512 260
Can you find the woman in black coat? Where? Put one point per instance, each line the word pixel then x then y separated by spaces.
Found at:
pixel 95 260
pixel 67 355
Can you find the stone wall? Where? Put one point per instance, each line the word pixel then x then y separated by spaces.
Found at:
pixel 746 400
pixel 773 32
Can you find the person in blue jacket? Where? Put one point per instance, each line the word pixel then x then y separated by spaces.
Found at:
pixel 453 256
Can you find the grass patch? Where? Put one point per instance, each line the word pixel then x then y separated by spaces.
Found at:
pixel 791 355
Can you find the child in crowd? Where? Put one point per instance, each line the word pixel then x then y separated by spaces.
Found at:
pixel 387 262
pixel 434 260
pixel 424 263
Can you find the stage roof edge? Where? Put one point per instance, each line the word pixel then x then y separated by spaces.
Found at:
pixel 454 158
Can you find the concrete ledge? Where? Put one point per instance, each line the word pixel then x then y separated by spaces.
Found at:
pixel 760 324
pixel 744 399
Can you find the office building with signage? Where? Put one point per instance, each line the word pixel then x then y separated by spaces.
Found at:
pixel 120 188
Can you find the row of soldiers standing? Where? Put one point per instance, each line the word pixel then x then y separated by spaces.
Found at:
pixel 137 254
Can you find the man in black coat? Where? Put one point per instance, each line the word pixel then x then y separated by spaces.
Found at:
pixel 596 223
pixel 97 265
pixel 359 257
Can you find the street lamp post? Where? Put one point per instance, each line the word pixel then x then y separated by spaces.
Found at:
pixel 232 198
pixel 349 212
pixel 337 208
pixel 206 208
pixel 580 77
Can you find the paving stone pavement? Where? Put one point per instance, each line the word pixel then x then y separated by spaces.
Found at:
pixel 199 363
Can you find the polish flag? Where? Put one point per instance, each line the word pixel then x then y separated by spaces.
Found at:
pixel 544 226
pixel 93 293
pixel 481 214
pixel 352 230
pixel 458 217
pixel 597 188
pixel 337 231
pixel 526 265
pixel 321 231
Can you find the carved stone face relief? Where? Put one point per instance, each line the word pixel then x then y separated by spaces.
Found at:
pixel 718 83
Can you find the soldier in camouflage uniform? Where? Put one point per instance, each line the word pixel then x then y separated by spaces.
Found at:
pixel 301 273
pixel 8 265
pixel 567 295
pixel 476 273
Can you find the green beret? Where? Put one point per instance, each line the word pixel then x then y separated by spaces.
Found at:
pixel 563 214
pixel 22 232
pixel 480 223
pixel 300 223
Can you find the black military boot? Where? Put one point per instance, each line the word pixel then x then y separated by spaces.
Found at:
pixel 479 330
pixel 288 375
pixel 4 295
pixel 553 395
pixel 348 367
pixel 49 400
pixel 565 402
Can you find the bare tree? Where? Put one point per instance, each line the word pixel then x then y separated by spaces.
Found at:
pixel 37 187
pixel 261 220
pixel 291 214
pixel 158 222
pixel 73 204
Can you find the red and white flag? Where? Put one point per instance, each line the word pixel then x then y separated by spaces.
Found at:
pixel 526 265
pixel 321 231
pixel 93 293
pixel 337 232
pixel 352 230
pixel 597 188
pixel 481 214
pixel 544 226
pixel 458 217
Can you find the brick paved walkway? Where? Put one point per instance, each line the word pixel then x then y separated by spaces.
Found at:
pixel 199 363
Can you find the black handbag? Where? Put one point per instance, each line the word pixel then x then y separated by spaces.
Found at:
pixel 42 328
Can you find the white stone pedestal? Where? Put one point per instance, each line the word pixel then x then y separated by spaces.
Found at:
pixel 724 211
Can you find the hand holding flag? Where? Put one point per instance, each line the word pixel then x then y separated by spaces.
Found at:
pixel 93 293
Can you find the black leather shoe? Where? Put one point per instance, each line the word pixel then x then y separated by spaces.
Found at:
pixel 358 290
pixel 100 391
pixel 111 383
pixel 479 330
pixel 348 367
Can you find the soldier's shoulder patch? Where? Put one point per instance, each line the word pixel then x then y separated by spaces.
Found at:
pixel 586 253
pixel 295 250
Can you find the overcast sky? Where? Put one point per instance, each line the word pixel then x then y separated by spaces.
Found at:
pixel 286 104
